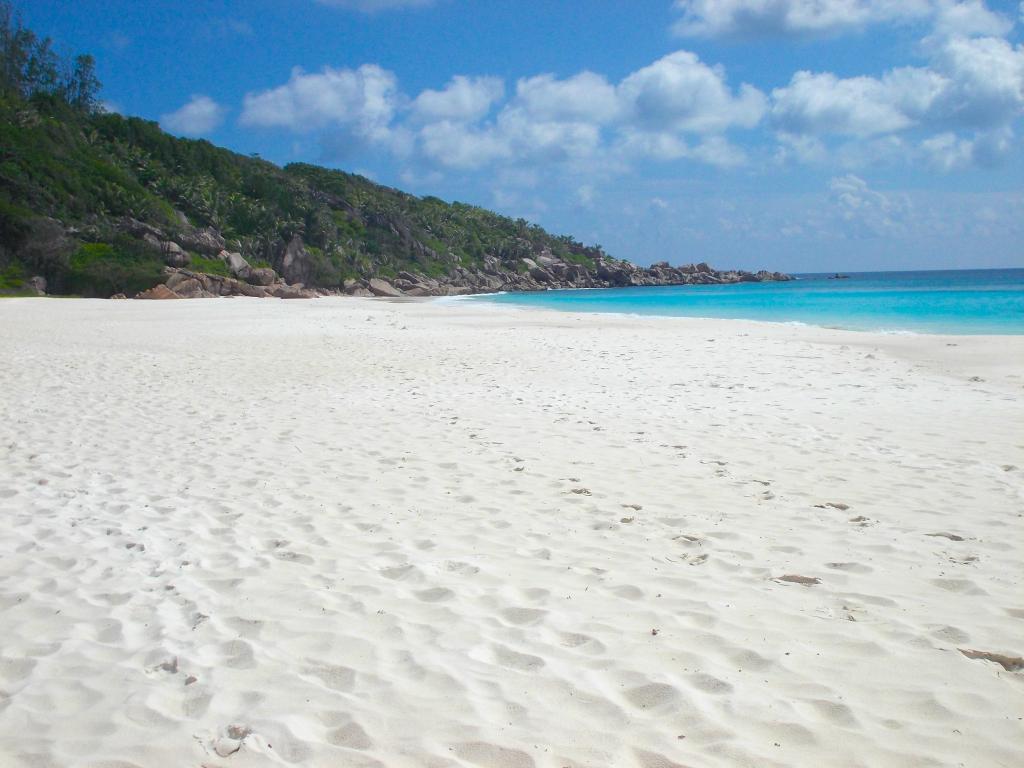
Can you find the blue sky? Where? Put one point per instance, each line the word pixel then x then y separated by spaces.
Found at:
pixel 803 135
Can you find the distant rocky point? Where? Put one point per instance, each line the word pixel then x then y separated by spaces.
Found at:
pixel 544 271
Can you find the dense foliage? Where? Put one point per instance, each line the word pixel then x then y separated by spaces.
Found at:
pixel 29 67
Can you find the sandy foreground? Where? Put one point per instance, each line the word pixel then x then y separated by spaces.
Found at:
pixel 351 532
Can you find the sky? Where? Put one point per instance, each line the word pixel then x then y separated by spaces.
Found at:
pixel 798 135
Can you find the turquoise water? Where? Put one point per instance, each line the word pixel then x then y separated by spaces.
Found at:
pixel 988 301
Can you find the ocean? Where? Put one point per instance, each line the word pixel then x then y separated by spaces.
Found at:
pixel 982 301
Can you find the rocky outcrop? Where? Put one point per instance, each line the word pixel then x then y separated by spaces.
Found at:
pixel 261 276
pixel 159 292
pixel 207 241
pixel 173 254
pixel 546 272
pixel 186 284
pixel 380 287
pixel 509 270
pixel 295 264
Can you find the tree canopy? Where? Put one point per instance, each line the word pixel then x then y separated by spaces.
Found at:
pixel 29 67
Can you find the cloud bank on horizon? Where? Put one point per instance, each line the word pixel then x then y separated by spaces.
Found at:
pixel 690 145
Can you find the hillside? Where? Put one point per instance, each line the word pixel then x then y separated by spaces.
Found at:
pixel 96 204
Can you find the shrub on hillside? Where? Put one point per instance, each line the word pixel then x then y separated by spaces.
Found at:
pixel 103 269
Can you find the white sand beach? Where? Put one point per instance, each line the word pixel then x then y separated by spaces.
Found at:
pixel 353 532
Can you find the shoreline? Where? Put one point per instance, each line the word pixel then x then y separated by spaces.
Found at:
pixel 409 533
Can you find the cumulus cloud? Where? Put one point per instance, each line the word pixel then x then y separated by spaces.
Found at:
pixel 456 145
pixel 971 84
pixel 680 92
pixel 859 106
pixel 789 18
pixel 959 109
pixel 969 18
pixel 573 119
pixel 751 19
pixel 363 100
pixel 984 81
pixel 201 115
pixel 712 150
pixel 585 96
pixel 463 99
pixel 949 152
pixel 867 212
pixel 373 6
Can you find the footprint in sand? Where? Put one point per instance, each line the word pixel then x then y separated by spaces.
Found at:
pixel 793 578
pixel 523 616
pixel 581 642
pixel 435 595
pixel 1009 663
pixel 524 662
pixel 463 569
pixel 231 740
pixel 653 696
pixel 402 572
pixel 850 567
pixel 709 683
pixel 950 536
pixel 352 735
pixel 492 756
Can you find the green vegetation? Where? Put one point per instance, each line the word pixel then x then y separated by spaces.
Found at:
pixel 209 266
pixel 14 281
pixel 73 178
pixel 100 269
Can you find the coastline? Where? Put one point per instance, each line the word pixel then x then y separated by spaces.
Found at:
pixel 423 532
pixel 951 303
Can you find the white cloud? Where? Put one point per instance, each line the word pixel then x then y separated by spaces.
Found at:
pixel 456 145
pixel 660 145
pixel 747 19
pixel 974 84
pixel 463 99
pixel 713 150
pixel 535 139
pixel 201 115
pixel 866 212
pixel 789 18
pixel 680 92
pixel 585 195
pixel 363 100
pixel 584 117
pixel 585 96
pixel 985 81
pixel 681 108
pixel 718 151
pixel 799 148
pixel 859 106
pixel 969 18
pixel 373 6
pixel 949 152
